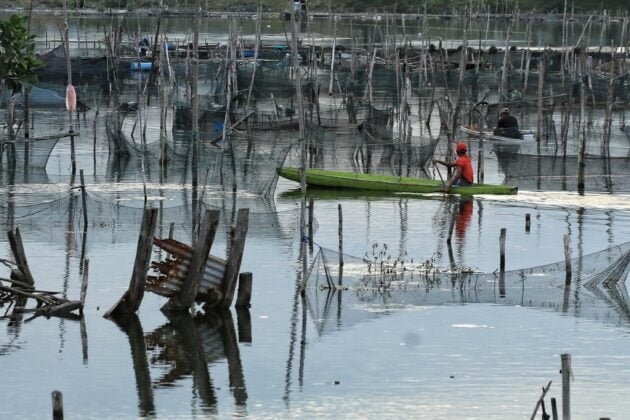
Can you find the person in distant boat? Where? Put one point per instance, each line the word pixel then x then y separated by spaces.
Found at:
pixel 507 126
pixel 463 168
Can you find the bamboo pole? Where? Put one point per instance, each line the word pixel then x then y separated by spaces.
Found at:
pixel 582 144
pixel 505 67
pixel 69 75
pixel 541 82
pixel 340 235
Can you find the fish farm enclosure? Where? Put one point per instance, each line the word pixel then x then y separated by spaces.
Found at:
pixel 156 264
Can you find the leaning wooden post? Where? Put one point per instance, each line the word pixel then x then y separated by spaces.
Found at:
pixel 187 294
pixel 244 296
pixel 567 259
pixel 235 256
pixel 566 386
pixel 57 403
pixel 83 200
pixel 541 84
pixel 15 240
pixel 582 143
pixel 131 299
pixel 502 250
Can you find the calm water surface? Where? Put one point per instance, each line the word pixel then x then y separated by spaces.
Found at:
pixel 414 354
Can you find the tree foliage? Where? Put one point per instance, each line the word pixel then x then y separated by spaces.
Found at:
pixel 18 62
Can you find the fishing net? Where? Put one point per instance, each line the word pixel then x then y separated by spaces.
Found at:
pixel 555 172
pixel 114 213
pixel 355 150
pixel 343 290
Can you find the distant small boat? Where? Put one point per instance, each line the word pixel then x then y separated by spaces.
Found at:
pixel 140 65
pixel 388 183
pixel 488 134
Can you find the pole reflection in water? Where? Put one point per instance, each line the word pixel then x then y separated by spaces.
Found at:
pixel 185 346
pixel 131 326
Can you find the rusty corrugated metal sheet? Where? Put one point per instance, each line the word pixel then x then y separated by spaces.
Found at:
pixel 173 270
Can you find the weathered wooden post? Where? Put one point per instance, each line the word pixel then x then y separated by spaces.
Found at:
pixel 566 386
pixel 186 296
pixel 244 297
pixel 554 409
pixel 171 230
pixel 130 301
pixel 15 240
pixel 567 259
pixel 235 256
pixel 57 403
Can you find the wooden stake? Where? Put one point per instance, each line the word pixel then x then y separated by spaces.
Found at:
pixel 57 403
pixel 554 409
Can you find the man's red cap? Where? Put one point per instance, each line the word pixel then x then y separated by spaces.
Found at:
pixel 461 148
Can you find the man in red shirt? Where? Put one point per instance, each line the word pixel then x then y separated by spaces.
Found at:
pixel 463 168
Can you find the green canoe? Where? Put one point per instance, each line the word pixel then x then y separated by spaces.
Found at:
pixel 333 179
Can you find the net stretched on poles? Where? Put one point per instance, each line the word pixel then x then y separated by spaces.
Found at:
pixel 361 288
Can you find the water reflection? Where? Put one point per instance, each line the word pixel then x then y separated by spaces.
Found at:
pixel 184 348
